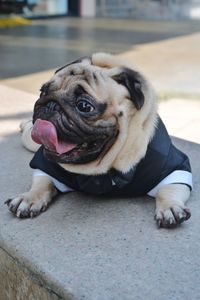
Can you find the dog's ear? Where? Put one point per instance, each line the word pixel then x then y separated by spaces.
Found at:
pixel 87 58
pixel 132 81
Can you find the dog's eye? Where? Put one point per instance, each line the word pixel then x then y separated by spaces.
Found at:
pixel 84 106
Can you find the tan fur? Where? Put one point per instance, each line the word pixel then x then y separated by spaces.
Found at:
pixel 170 203
pixel 35 200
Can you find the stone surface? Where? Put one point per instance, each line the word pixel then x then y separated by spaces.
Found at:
pixel 90 248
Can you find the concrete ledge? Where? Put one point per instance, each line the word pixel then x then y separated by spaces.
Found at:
pixel 89 248
pixel 18 282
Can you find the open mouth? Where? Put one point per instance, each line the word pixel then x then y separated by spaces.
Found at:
pixel 45 133
pixel 82 153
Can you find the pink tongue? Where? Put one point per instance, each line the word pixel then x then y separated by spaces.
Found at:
pixel 44 132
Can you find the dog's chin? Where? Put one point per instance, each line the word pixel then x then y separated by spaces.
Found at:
pixel 81 154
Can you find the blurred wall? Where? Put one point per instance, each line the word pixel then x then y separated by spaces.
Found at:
pixel 149 9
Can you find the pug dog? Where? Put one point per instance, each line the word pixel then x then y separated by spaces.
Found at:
pixel 99 132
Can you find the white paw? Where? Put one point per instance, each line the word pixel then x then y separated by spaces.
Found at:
pixel 28 205
pixel 172 216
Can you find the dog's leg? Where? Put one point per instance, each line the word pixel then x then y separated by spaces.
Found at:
pixel 36 200
pixel 170 205
pixel 27 142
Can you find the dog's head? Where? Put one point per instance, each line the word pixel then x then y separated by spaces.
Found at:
pixel 92 112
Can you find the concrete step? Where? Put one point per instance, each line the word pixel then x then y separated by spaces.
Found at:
pixel 88 248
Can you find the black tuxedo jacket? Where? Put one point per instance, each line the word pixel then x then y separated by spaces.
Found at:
pixel 162 159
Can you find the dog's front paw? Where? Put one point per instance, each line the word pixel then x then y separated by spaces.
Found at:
pixel 28 204
pixel 172 216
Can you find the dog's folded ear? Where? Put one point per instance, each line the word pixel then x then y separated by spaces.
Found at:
pixel 87 58
pixel 131 80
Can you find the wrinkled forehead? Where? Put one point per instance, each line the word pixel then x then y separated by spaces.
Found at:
pixel 85 60
pixel 82 69
pixel 96 80
pixel 85 69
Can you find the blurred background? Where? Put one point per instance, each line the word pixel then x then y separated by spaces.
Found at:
pixel 161 37
pixel 151 9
